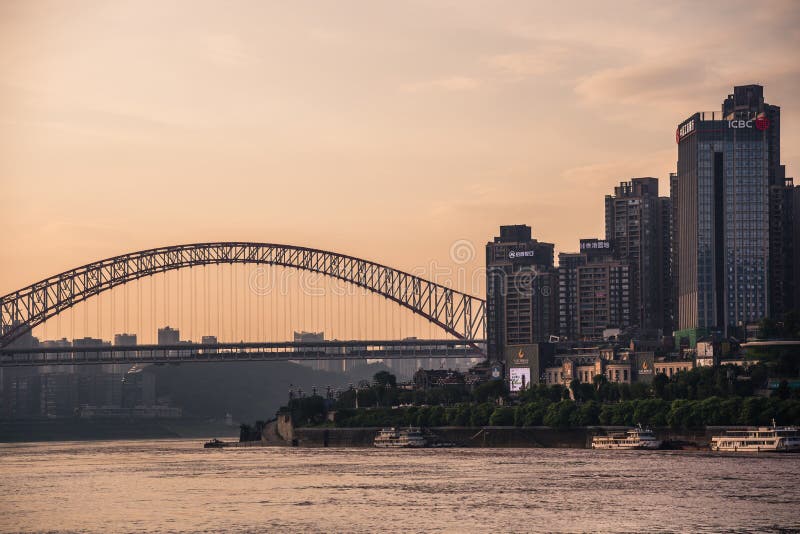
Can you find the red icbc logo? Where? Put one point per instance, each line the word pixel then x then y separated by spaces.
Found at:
pixel 762 122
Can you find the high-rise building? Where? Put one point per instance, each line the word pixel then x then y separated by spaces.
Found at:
pixel 727 162
pixel 673 246
pixel 593 291
pixel 665 316
pixel 795 239
pixel 633 225
pixel 521 294
pixel 568 263
pixel 519 289
pixel 783 267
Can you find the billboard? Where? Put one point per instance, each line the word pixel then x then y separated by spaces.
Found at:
pixel 519 378
pixel 644 366
pixel 496 372
pixel 529 356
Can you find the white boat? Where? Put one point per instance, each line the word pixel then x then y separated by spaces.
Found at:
pixel 637 438
pixel 762 439
pixel 391 438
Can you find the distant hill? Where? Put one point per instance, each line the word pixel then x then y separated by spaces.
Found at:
pixel 249 391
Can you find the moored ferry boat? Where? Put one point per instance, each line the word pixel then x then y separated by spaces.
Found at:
pixel 637 438
pixel 391 438
pixel 762 439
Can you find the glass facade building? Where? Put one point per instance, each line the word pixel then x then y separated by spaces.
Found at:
pixel 723 215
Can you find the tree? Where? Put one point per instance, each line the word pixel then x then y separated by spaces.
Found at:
pixel 751 411
pixel 559 415
pixel 502 416
pixel 598 380
pixel 532 413
pixel 480 414
pixel 791 324
pixel 491 390
pixel 385 379
pixel 581 391
pixel 423 417
pixel 437 416
pixel 367 397
pixel 679 415
pixel 588 414
pixel 660 383
pixel 651 412
pixel 307 410
pixel 783 392
pixel 639 390
pixel 767 328
pixel 462 416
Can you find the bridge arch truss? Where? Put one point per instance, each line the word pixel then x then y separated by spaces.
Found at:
pixel 460 314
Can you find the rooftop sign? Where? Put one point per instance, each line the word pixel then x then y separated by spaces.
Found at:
pixel 761 123
pixel 683 130
pixel 594 244
pixel 520 254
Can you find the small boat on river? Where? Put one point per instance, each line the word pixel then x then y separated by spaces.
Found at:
pixel 762 439
pixel 391 438
pixel 637 438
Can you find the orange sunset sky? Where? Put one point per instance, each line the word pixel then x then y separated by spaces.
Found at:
pixel 385 130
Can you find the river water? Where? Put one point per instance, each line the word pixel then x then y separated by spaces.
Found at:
pixel 177 486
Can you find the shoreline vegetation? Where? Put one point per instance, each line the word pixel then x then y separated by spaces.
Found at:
pixel 702 397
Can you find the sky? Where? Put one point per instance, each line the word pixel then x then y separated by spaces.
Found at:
pixel 392 131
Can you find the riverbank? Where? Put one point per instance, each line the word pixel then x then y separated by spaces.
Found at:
pixel 76 429
pixel 489 436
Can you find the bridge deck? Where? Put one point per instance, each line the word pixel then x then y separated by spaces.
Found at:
pixel 220 352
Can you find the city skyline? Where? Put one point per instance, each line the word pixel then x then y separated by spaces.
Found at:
pixel 467 122
pixel 373 266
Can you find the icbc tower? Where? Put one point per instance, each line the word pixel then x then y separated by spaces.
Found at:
pixel 728 164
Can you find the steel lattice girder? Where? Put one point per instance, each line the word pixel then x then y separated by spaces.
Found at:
pixel 458 313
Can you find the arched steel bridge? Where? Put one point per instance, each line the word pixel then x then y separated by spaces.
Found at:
pixel 458 313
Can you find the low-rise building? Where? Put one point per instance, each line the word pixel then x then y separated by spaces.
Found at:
pixel 616 365
pixel 430 378
pixel 671 368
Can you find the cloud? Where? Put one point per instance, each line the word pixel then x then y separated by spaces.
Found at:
pixel 599 178
pixel 645 82
pixel 449 85
pixel 690 69
pixel 227 50
pixel 545 58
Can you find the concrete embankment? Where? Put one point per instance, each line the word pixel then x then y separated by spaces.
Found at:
pixel 491 436
pixel 460 436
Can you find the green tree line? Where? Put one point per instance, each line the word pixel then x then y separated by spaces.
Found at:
pixel 693 399
pixel 679 413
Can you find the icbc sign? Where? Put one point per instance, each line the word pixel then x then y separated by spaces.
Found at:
pixel 761 123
